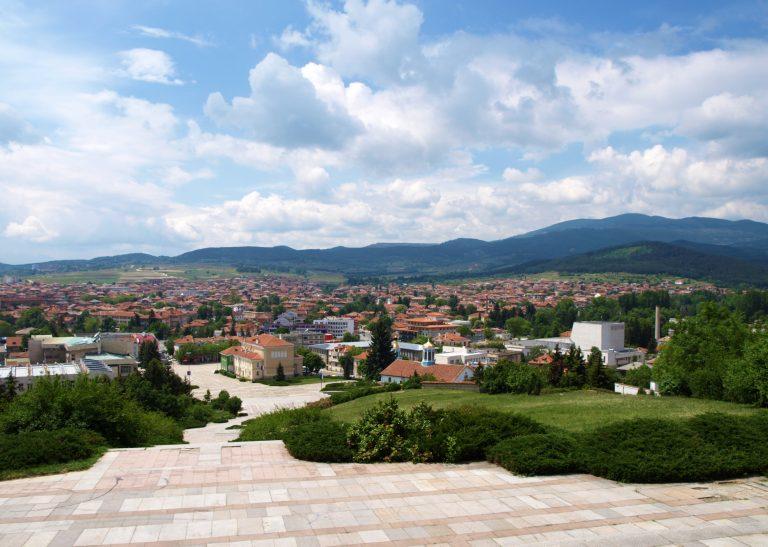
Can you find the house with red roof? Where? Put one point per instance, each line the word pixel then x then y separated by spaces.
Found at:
pixel 258 358
pixel 400 370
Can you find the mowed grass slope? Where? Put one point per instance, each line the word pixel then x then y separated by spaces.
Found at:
pixel 573 410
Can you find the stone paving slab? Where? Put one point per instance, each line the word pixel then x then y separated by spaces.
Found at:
pixel 256 494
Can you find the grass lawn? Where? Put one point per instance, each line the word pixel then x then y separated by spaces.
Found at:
pixel 301 380
pixel 573 410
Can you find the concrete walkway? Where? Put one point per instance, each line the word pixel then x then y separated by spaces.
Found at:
pixel 257 399
pixel 256 494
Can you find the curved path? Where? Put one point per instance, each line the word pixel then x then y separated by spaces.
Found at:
pixel 257 399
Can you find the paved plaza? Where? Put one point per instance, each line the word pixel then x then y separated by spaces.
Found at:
pixel 257 399
pixel 256 494
pixel 214 492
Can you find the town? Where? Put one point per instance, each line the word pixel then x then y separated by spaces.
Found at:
pixel 401 272
pixel 57 325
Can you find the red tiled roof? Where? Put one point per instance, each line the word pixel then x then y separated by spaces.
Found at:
pixel 401 368
pixel 242 352
pixel 267 341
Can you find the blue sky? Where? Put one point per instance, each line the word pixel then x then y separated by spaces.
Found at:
pixel 167 126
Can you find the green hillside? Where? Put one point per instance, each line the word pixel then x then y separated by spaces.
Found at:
pixel 653 257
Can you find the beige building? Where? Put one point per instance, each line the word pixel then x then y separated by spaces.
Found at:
pixel 258 358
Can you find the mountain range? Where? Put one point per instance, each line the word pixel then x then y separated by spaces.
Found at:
pixel 734 246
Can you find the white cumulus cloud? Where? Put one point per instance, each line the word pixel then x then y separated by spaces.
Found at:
pixel 149 65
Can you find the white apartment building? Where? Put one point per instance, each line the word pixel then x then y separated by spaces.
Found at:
pixel 337 326
pixel 608 338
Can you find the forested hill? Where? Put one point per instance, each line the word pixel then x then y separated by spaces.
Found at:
pixel 738 240
pixel 653 257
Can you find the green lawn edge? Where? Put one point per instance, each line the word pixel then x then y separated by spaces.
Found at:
pixel 53 468
pixel 573 411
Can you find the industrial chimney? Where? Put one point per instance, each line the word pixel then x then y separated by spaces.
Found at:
pixel 657 330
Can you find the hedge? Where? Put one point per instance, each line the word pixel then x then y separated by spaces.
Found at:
pixel 537 454
pixel 475 429
pixel 322 440
pixel 36 448
pixel 706 447
pixel 340 397
pixel 274 425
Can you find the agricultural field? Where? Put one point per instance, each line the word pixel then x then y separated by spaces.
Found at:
pixel 190 273
pixel 574 410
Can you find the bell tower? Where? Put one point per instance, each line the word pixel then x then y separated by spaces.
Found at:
pixel 428 355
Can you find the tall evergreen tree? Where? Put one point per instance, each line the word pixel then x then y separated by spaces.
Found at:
pixel 380 353
pixel 148 351
pixel 596 376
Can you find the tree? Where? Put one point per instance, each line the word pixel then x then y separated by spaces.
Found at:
pixel 347 363
pixel 517 327
pixel 148 351
pixel 312 361
pixel 6 329
pixel 108 325
pixel 574 362
pixel 707 341
pixel 556 367
pixel 746 379
pixel 349 337
pixel 280 374
pixel 380 353
pixel 170 346
pixel 10 388
pixel 596 375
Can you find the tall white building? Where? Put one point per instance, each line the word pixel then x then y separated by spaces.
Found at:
pixel 608 338
pixel 599 334
pixel 337 326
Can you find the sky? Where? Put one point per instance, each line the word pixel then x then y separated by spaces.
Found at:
pixel 166 126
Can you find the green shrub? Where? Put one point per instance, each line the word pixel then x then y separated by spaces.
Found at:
pixel 414 382
pixel 337 386
pixel 509 377
pixel 94 404
pixel 220 402
pixel 340 397
pixel 736 444
pixel 706 447
pixel 233 405
pixel 155 428
pixel 35 448
pixel 537 454
pixel 274 425
pixel 640 377
pixel 706 383
pixel 387 433
pixel 321 440
pixel 475 429
pixel 382 434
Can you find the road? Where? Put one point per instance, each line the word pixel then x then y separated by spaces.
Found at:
pixel 257 399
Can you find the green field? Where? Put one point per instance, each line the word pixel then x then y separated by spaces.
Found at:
pixel 300 381
pixel 191 273
pixel 573 410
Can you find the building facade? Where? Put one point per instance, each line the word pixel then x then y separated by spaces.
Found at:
pixel 259 357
